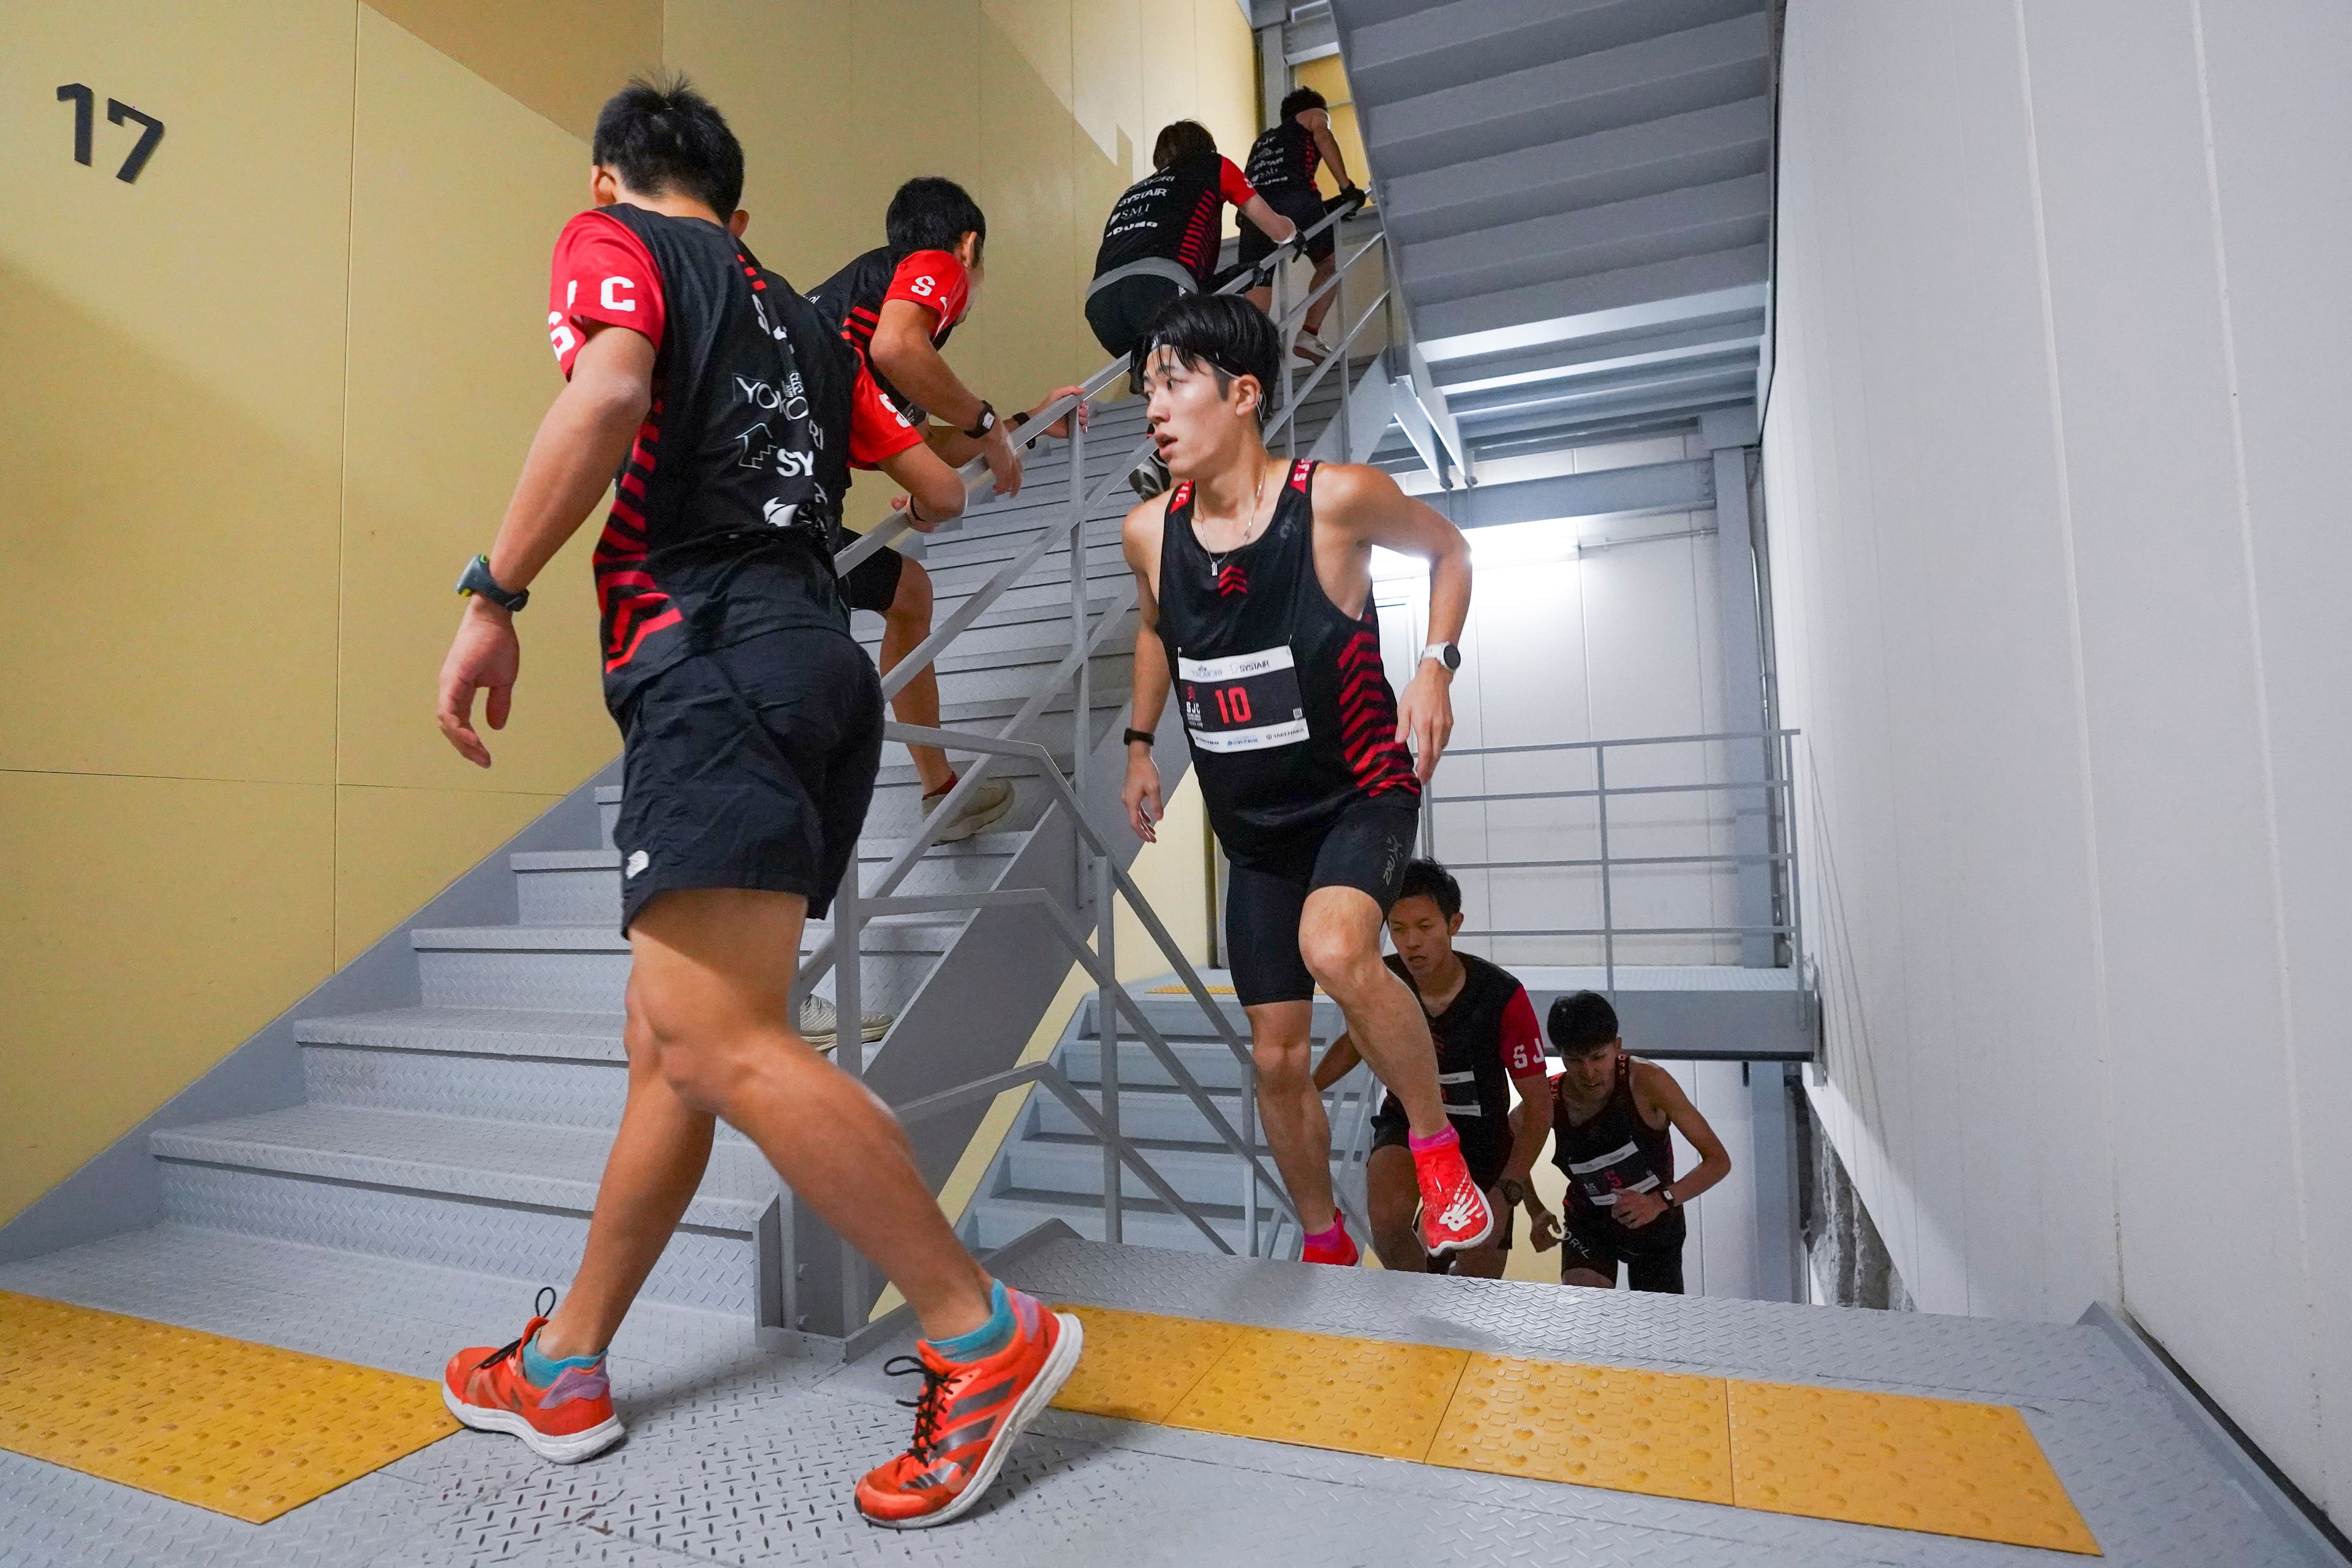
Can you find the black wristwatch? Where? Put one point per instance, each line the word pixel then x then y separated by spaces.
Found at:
pixel 476 580
pixel 1146 736
pixel 1514 1193
pixel 985 423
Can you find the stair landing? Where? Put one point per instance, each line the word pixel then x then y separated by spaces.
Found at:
pixel 744 1445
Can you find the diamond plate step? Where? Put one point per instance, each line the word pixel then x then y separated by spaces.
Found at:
pixel 1165 1114
pixel 1145 1222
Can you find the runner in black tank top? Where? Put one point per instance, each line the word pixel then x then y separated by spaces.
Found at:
pixel 1613 1121
pixel 1254 585
pixel 1282 165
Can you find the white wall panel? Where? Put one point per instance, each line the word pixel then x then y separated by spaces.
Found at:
pixel 2058 553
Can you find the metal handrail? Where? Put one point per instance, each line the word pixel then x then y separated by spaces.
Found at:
pixel 855 905
pixel 1776 786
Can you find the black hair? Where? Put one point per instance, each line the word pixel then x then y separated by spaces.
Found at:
pixel 1224 331
pixel 1580 1021
pixel 1300 100
pixel 931 214
pixel 1428 879
pixel 1180 142
pixel 665 137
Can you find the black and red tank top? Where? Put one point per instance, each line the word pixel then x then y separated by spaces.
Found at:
pixel 1291 716
pixel 851 300
pixel 1176 214
pixel 723 508
pixel 1285 158
pixel 1617 1151
pixel 1486 1036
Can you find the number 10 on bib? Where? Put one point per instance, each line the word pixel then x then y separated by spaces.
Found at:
pixel 1244 703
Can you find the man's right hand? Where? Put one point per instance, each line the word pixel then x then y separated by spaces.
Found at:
pixel 485 657
pixel 1141 793
pixel 1003 458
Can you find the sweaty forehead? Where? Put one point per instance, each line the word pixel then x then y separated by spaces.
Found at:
pixel 1413 909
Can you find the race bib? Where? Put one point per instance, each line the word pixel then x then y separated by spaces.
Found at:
pixel 1622 1169
pixel 1247 702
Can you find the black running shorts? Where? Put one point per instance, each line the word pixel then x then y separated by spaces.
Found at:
pixel 1653 1255
pixel 751 767
pixel 873 582
pixel 1366 846
pixel 1304 208
pixel 1120 312
pixel 1390 1131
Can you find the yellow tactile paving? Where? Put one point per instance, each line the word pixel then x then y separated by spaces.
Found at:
pixel 1137 1366
pixel 1358 1396
pixel 1937 1466
pixel 1656 1432
pixel 243 1429
pixel 1933 1465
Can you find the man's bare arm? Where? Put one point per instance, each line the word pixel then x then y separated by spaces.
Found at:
pixel 581 442
pixel 1659 1088
pixel 1365 508
pixel 904 352
pixel 1336 1063
pixel 1150 683
pixel 1320 127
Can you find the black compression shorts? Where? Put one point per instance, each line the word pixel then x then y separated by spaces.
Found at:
pixel 1121 312
pixel 1653 1255
pixel 873 582
pixel 1366 846
pixel 1306 209
pixel 750 767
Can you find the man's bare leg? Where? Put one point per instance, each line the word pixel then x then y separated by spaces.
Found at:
pixel 905 625
pixel 1339 937
pixel 1392 1196
pixel 713 973
pixel 1296 1127
pixel 656 1162
pixel 1487 1260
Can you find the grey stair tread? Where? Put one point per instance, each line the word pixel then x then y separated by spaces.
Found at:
pixel 1047 1205
pixel 477 1031
pixel 507 1162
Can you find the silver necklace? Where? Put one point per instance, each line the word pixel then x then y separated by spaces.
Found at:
pixel 1249 527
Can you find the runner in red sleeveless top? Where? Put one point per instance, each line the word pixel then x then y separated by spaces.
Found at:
pixel 1254 580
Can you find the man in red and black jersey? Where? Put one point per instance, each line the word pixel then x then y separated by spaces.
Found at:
pixel 752 724
pixel 896 305
pixel 1282 165
pixel 1253 583
pixel 1488 1045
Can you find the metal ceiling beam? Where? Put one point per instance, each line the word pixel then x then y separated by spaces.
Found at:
pixel 1704 67
pixel 1546 312
pixel 1739 334
pixel 1667 227
pixel 1448 44
pixel 1695 149
pixel 1649 487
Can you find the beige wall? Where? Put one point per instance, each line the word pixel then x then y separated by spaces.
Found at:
pixel 267 398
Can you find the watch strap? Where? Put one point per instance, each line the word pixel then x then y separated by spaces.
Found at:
pixel 476 581
pixel 985 423
pixel 1146 736
pixel 1445 653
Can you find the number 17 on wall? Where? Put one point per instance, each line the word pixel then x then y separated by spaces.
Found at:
pixel 118 112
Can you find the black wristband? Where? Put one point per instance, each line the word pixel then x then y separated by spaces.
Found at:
pixel 1146 736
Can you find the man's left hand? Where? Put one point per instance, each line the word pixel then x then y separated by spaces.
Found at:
pixel 1060 428
pixel 1635 1210
pixel 1426 716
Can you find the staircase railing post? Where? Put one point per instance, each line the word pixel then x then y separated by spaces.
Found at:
pixel 849 1048
pixel 1608 908
pixel 1290 429
pixel 1107 1044
pixel 1347 393
pixel 1081 703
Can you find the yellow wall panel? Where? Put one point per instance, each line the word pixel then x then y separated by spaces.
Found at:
pixel 1226 84
pixel 560 57
pixel 1028 341
pixel 146 925
pixel 174 386
pixel 1328 77
pixel 381 876
pixel 449 374
pixel 781 70
pixel 1171 73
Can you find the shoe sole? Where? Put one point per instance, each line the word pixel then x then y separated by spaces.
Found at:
pixel 1050 1378
pixel 568 1450
pixel 1464 1244
pixel 973 823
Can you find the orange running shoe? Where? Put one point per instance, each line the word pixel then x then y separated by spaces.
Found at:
pixel 968 1416
pixel 1454 1216
pixel 570 1420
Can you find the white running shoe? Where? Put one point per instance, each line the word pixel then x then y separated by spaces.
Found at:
pixel 820 1027
pixel 989 801
pixel 1148 478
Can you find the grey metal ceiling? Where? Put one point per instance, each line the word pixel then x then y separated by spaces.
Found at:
pixel 1580 196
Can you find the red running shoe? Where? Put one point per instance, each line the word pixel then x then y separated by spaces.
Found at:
pixel 967 1418
pixel 570 1420
pixel 1453 1213
pixel 1343 1252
